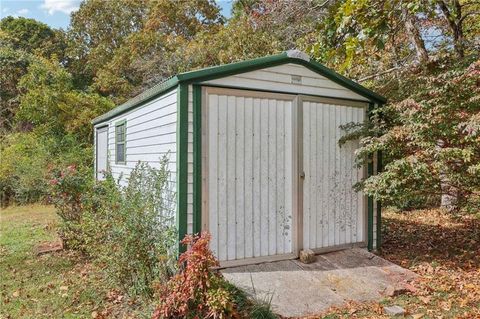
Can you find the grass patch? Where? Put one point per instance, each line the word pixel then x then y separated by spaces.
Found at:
pixel 252 307
pixel 64 285
pixel 56 285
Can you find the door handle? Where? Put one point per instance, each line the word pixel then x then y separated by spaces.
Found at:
pixel 302 175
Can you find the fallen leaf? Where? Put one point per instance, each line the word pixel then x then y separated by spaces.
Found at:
pixel 446 306
pixel 410 287
pixel 425 299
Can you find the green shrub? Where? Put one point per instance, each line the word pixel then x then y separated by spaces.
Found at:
pixel 68 187
pixel 139 224
pixel 28 160
pixel 23 168
pixel 130 229
pixel 429 136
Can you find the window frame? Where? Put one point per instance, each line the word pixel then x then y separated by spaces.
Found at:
pixel 124 142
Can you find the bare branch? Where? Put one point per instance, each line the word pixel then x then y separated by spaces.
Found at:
pixel 378 74
pixel 469 14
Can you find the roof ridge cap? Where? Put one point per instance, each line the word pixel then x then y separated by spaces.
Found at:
pixel 297 54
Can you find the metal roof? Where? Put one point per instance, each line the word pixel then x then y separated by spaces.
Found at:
pixel 215 72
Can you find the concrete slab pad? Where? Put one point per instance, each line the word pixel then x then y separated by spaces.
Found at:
pixel 296 289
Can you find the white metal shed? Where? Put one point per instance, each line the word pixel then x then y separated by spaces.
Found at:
pixel 254 155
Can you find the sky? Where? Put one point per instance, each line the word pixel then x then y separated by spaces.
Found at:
pixel 56 13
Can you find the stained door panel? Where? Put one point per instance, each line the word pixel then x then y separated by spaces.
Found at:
pixel 333 213
pixel 250 176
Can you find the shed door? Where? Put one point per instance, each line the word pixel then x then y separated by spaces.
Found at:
pixel 333 213
pixel 250 181
pixel 101 151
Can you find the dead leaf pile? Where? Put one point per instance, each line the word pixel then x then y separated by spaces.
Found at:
pixel 444 250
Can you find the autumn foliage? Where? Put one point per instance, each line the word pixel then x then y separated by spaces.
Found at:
pixel 197 290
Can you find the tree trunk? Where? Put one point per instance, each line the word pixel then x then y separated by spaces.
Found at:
pixel 415 38
pixel 455 23
pixel 449 197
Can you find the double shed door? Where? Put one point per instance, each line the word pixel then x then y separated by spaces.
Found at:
pixel 274 177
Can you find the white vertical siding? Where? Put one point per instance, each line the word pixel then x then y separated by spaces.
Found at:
pixel 333 213
pixel 279 79
pixel 249 178
pixel 150 135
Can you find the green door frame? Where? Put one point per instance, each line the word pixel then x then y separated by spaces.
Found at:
pixel 197 158
pixel 182 163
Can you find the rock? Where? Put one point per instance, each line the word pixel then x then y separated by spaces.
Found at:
pixel 48 247
pixel 394 310
pixel 307 256
pixel 389 291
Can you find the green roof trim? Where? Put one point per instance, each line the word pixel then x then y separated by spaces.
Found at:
pixel 145 96
pixel 215 72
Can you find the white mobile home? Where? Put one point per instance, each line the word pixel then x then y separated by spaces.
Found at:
pixel 254 155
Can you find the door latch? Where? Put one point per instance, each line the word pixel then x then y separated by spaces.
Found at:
pixel 302 175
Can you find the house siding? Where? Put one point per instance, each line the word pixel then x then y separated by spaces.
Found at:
pixel 150 134
pixel 279 79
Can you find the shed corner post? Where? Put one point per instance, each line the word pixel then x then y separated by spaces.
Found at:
pixel 182 163
pixel 370 198
pixel 379 169
pixel 379 204
pixel 197 158
pixel 370 209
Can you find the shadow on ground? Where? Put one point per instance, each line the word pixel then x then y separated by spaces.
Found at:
pixel 410 239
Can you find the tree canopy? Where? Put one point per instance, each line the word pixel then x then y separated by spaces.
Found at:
pixel 421 54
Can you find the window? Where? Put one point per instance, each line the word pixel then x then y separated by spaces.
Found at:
pixel 120 149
